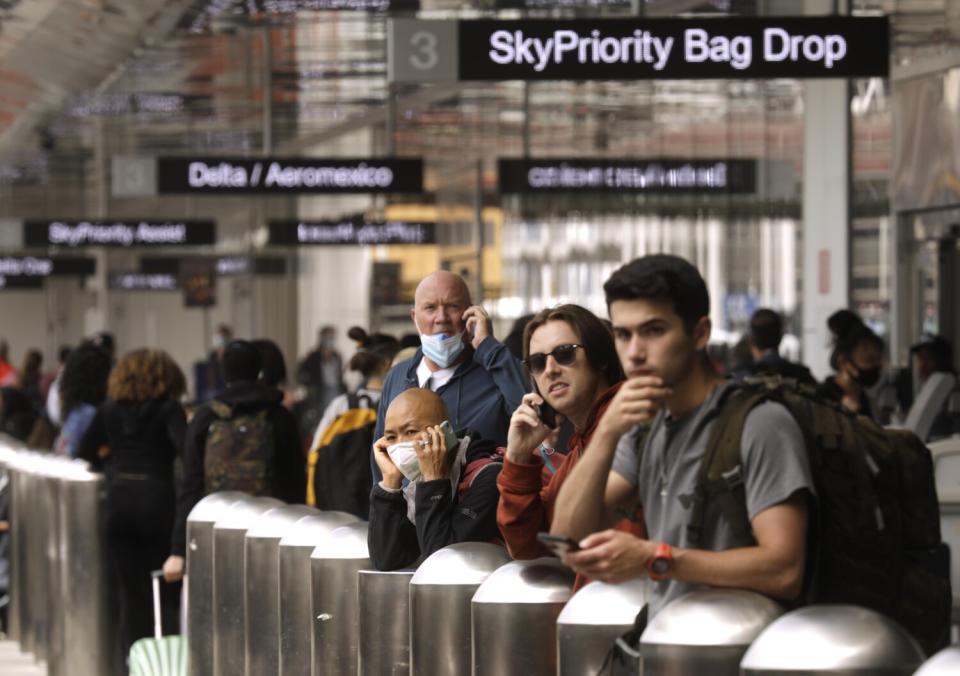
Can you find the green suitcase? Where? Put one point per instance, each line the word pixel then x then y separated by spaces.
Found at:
pixel 161 655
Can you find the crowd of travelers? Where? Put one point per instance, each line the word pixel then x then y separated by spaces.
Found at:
pixel 591 429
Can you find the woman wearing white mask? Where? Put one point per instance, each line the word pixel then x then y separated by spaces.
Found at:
pixel 451 484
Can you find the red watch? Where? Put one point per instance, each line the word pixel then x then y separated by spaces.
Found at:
pixel 661 563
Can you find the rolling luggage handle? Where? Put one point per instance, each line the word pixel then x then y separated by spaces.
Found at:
pixel 155 578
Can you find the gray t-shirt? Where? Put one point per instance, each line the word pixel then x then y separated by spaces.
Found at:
pixel 775 467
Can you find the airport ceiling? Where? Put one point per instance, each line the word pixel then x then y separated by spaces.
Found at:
pixel 169 76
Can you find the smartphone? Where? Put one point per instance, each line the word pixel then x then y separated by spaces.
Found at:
pixel 546 412
pixel 449 436
pixel 558 544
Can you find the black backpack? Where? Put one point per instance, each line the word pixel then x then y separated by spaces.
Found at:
pixel 874 539
pixel 338 469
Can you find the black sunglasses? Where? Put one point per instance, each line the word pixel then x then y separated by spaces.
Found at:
pixel 564 355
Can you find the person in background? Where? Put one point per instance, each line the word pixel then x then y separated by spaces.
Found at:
pixel 322 370
pixel 105 341
pixel 52 385
pixel 8 374
pixel 135 437
pixel 28 380
pixel 274 369
pixel 766 332
pixel 83 387
pixel 243 440
pixel 857 359
pixel 212 370
pixel 18 414
pixel 514 339
pixel 372 361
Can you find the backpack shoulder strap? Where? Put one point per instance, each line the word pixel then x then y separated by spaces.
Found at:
pixel 353 400
pixel 221 410
pixel 720 475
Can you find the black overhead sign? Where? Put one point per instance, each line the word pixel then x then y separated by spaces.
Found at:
pixel 638 48
pixel 236 176
pixel 628 176
pixel 19 282
pixel 45 266
pixel 134 233
pixel 351 232
pixel 138 281
pixel 224 266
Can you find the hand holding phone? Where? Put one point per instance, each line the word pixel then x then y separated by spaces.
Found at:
pixel 558 544
pixel 546 412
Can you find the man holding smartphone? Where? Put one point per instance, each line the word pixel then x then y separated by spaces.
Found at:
pixel 450 494
pixel 659 306
pixel 477 377
pixel 573 363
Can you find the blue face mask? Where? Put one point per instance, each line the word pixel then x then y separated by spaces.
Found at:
pixel 442 349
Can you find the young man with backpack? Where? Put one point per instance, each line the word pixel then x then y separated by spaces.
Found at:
pixel 243 440
pixel 752 486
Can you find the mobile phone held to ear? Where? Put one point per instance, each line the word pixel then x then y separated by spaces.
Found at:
pixel 546 412
pixel 558 544
pixel 449 436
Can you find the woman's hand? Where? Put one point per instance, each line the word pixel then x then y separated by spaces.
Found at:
pixel 392 477
pixel 173 568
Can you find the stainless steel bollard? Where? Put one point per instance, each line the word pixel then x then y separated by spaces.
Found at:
pixel 261 564
pixel 8 458
pixel 38 509
pixel 334 565
pixel 515 614
pixel 90 641
pixel 296 625
pixel 229 532
pixel 592 621
pixel 832 639
pixel 944 663
pixel 384 622
pixel 199 578
pixel 440 593
pixel 705 632
pixel 50 485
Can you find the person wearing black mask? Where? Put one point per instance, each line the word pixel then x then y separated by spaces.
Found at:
pixel 857 358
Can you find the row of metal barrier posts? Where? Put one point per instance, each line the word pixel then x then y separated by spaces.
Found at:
pixel 281 589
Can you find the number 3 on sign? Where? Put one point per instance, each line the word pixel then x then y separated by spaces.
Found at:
pixel 425 56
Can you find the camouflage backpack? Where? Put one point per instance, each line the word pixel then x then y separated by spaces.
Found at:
pixel 874 537
pixel 239 453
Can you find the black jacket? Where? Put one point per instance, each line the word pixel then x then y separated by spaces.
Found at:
pixel 442 519
pixel 290 471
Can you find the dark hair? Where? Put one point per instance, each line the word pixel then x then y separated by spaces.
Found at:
pixel 273 369
pixel 241 362
pixel 766 329
pixel 514 339
pixel 409 340
pixel 63 353
pixel 849 332
pixel 662 276
pixel 30 373
pixel 104 340
pixel 376 351
pixel 592 333
pixel 84 378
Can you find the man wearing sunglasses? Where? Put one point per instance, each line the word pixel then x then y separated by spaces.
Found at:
pixel 572 360
pixel 659 306
pixel 477 377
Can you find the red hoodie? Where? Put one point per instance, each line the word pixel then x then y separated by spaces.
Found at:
pixel 527 500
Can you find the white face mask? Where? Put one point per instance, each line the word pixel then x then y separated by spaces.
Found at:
pixel 404 456
pixel 442 349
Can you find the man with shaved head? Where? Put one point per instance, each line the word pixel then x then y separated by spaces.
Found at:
pixel 451 484
pixel 476 376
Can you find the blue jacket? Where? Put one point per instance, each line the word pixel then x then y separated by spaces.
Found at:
pixel 482 395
